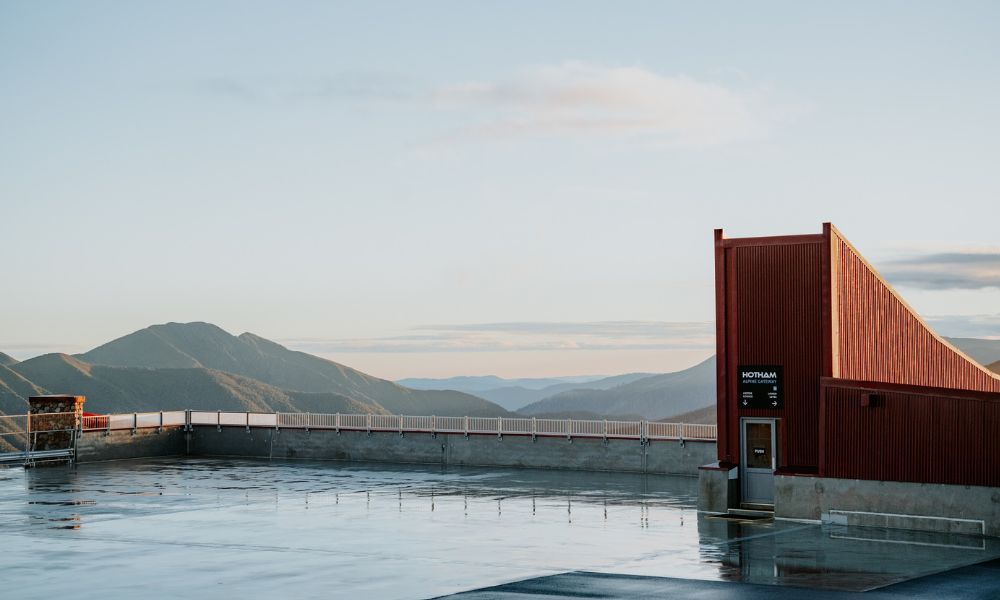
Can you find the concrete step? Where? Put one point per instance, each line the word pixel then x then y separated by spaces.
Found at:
pixel 752 512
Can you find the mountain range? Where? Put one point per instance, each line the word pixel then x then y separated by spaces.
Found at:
pixel 653 397
pixel 201 366
pixel 514 394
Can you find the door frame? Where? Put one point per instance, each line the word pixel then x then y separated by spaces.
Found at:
pixel 744 480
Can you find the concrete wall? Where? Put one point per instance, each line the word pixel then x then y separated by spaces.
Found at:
pixel 95 446
pixel 951 508
pixel 588 454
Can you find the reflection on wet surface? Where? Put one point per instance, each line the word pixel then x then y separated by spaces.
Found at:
pixel 232 527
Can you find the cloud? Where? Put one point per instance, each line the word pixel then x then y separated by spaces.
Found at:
pixel 974 326
pixel 346 86
pixel 583 99
pixel 947 270
pixel 528 336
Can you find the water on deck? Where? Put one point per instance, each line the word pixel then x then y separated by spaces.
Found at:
pixel 243 528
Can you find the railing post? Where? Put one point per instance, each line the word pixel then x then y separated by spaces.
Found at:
pixel 569 429
pixel 434 424
pixel 135 422
pixel 400 424
pixel 534 428
pixel 643 431
pixel 368 422
pixel 680 432
pixel 605 430
pixel 248 422
pixel 160 428
pixel 308 418
pixel 500 427
pixel 218 420
pixel 187 420
pixel 465 425
pixel 336 422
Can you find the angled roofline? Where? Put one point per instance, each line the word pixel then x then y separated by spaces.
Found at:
pixel 905 304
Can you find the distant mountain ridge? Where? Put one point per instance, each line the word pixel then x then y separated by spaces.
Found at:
pixel 654 397
pixel 201 366
pixel 478 383
pixel 6 360
pixel 514 394
pixel 207 346
pixel 131 389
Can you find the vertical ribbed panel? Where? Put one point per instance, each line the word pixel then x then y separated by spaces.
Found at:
pixel 882 339
pixel 933 436
pixel 777 319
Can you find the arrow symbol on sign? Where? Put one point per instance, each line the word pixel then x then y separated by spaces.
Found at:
pixel 774 403
pixel 744 403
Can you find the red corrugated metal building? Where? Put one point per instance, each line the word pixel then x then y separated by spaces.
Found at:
pixel 824 371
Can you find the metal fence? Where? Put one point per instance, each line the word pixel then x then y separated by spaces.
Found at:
pixel 20 437
pixel 499 426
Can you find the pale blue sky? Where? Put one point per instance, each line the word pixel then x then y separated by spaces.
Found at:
pixel 424 189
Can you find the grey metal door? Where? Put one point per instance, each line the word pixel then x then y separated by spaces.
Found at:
pixel 759 460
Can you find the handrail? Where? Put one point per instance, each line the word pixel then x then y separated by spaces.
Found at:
pixel 402 424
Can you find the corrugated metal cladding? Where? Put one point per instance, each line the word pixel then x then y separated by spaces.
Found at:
pixel 882 339
pixel 939 436
pixel 775 316
pixel 812 304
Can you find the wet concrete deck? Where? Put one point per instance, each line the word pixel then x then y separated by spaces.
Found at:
pixel 245 528
pixel 977 582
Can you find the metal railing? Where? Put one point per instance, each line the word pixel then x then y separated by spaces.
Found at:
pixel 20 436
pixel 135 421
pixel 498 426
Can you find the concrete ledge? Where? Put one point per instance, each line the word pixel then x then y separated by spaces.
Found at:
pixel 913 522
pixel 891 504
pixel 586 454
pixel 95 446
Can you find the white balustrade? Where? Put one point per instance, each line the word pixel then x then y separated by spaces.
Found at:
pixel 651 430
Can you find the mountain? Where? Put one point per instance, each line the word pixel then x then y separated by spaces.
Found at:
pixel 514 394
pixel 980 350
pixel 654 397
pixel 707 415
pixel 6 360
pixel 14 392
pixel 208 347
pixel 130 389
pixel 479 383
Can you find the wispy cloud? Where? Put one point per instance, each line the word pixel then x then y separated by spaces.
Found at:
pixel 946 270
pixel 572 99
pixel 346 86
pixel 528 336
pixel 583 99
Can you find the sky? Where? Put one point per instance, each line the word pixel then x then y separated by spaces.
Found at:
pixel 456 188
